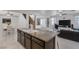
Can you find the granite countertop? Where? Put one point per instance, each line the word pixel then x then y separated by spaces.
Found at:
pixel 43 35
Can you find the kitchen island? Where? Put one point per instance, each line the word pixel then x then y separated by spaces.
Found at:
pixel 36 39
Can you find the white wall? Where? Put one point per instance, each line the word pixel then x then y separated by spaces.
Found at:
pixel 68 17
pixel 52 22
pixel 0 23
pixel 75 22
pixel 65 17
pixel 43 22
pixel 16 22
pixel 22 22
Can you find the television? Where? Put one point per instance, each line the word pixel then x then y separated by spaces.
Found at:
pixel 5 20
pixel 65 22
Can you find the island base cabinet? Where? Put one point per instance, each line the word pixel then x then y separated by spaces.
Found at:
pixel 49 45
pixel 36 46
pixel 19 35
pixel 22 40
pixel 27 43
pixel 32 42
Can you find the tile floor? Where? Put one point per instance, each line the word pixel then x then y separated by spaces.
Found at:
pixel 8 40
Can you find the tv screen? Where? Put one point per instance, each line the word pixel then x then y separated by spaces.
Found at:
pixel 4 20
pixel 64 22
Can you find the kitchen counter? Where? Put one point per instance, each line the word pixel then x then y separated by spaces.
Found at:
pixel 43 35
pixel 37 38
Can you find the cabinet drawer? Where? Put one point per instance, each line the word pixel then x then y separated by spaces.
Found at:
pixel 36 46
pixel 38 41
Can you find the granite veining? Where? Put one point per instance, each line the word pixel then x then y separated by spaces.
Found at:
pixel 43 35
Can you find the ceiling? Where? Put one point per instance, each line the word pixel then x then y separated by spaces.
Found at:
pixel 45 13
pixel 8 13
pixel 37 12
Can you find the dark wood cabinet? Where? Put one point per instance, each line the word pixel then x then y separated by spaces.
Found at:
pixel 22 38
pixel 27 43
pixel 32 42
pixel 37 43
pixel 18 35
pixel 36 46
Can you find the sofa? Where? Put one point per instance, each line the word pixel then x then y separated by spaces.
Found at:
pixel 67 40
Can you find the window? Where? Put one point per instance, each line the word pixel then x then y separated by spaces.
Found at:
pixel 52 21
pixel 43 22
pixel 47 22
pixel 38 21
pixel 77 19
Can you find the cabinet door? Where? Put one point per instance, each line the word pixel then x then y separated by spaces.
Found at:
pixel 22 38
pixel 27 43
pixel 18 36
pixel 37 44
